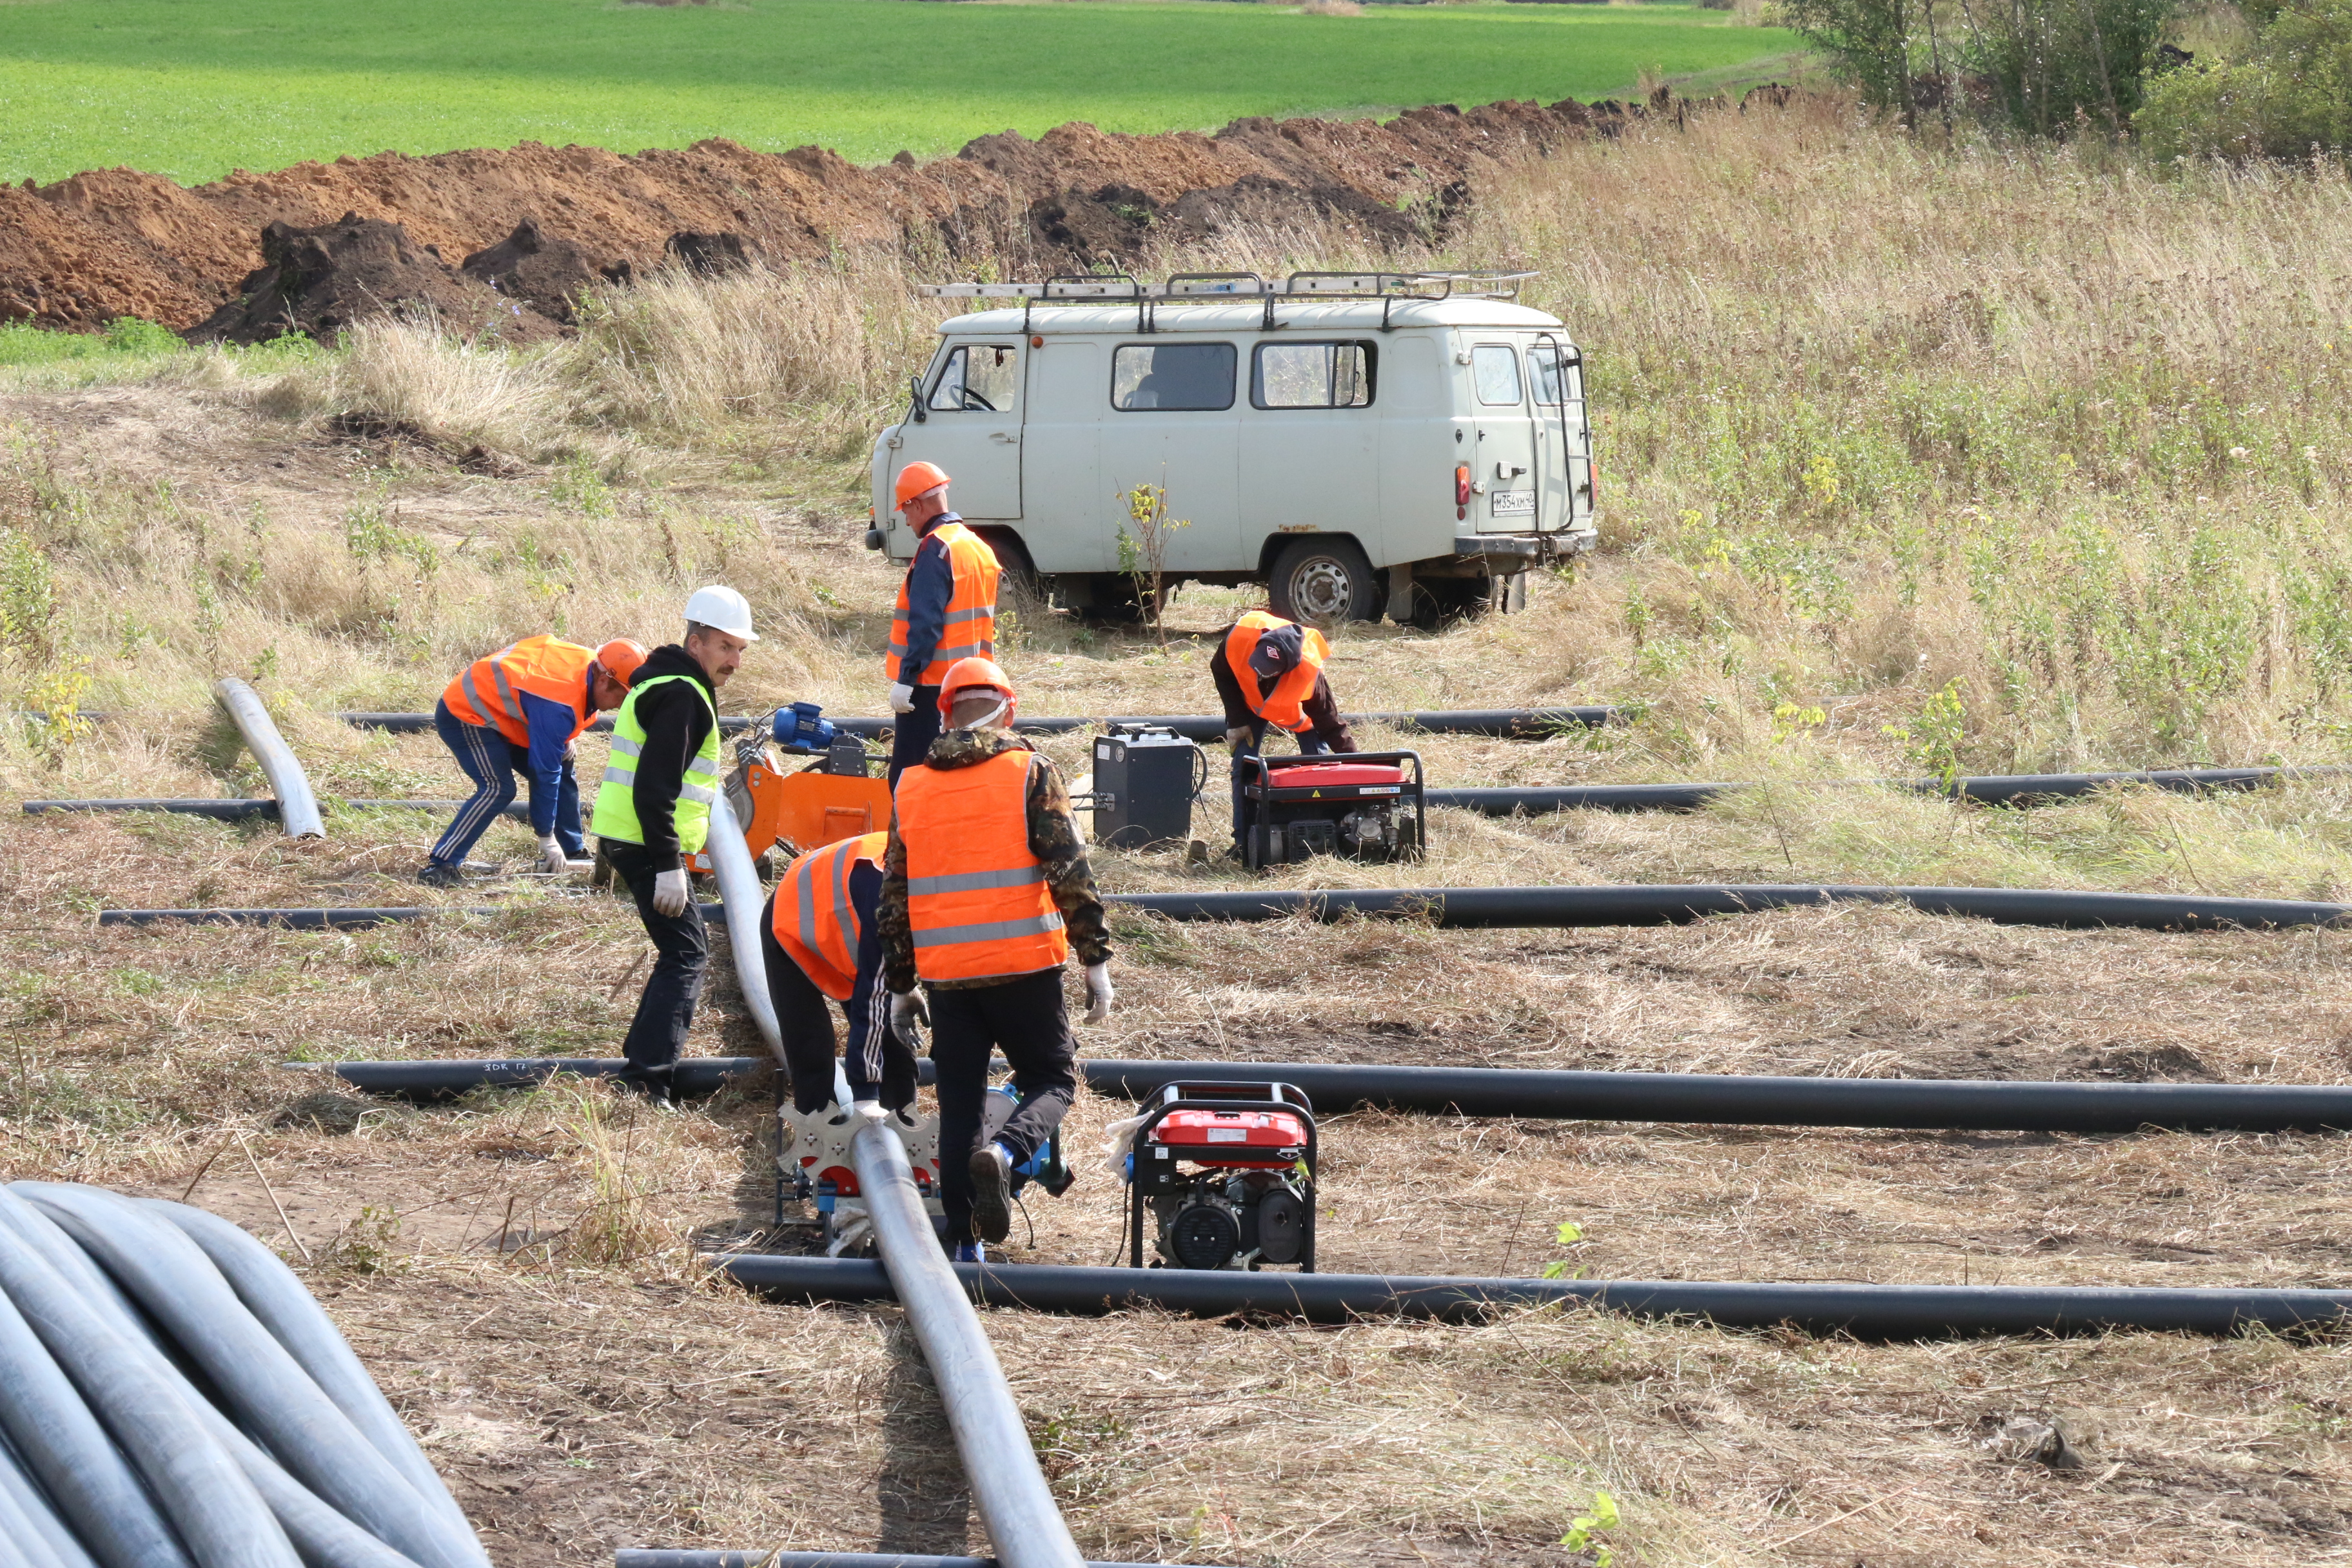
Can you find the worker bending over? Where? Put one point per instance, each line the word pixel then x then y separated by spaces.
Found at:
pixel 947 611
pixel 984 890
pixel 1269 674
pixel 654 809
pixel 821 940
pixel 518 712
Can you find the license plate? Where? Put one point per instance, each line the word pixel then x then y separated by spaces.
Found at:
pixel 1513 503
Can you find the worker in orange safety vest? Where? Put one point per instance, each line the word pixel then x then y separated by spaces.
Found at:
pixel 985 890
pixel 517 711
pixel 1270 675
pixel 947 611
pixel 820 940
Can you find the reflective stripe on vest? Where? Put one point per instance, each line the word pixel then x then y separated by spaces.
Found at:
pixel 489 690
pixel 1284 707
pixel 968 629
pixel 814 922
pixel 977 900
pixel 616 805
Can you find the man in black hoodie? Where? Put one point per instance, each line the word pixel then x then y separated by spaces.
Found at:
pixel 653 810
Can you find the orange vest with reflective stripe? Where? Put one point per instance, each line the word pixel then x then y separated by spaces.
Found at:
pixel 971 628
pixel 489 690
pixel 976 898
pixel 1286 706
pixel 814 922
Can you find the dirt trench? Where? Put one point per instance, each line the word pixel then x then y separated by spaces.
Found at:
pixel 77 253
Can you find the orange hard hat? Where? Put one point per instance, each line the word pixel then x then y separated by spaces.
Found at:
pixel 917 478
pixel 966 673
pixel 620 657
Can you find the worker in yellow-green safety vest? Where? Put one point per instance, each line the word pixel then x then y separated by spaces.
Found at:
pixel 654 809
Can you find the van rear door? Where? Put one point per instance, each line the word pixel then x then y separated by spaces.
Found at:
pixel 1563 440
pixel 971 427
pixel 1503 460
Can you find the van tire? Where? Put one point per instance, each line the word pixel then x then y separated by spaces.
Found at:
pixel 1324 579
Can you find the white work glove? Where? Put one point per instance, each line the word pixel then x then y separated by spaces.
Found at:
pixel 902 700
pixel 1238 738
pixel 906 1012
pixel 1100 994
pixel 552 858
pixel 670 891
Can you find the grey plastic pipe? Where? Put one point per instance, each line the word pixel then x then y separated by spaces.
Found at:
pixel 211 1504
pixel 653 1557
pixel 1644 904
pixel 320 1534
pixel 741 895
pixel 273 1398
pixel 298 808
pixel 1024 1523
pixel 1876 1311
pixel 43 1539
pixel 270 1292
pixel 1733 1099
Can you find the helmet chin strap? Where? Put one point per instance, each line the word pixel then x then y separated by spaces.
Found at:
pixel 1001 710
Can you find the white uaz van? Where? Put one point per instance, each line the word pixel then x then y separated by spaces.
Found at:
pixel 1359 443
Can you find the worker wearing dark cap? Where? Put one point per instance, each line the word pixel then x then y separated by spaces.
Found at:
pixel 1269 675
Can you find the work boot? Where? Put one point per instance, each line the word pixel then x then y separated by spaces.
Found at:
pixel 438 874
pixel 992 1192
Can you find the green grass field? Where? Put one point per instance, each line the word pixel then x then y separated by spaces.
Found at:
pixel 192 89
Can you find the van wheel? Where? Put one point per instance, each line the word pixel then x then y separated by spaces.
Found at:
pixel 1321 581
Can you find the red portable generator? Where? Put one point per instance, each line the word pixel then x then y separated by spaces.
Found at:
pixel 1366 805
pixel 1226 1171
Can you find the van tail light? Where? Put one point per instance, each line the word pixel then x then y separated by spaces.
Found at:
pixel 1462 486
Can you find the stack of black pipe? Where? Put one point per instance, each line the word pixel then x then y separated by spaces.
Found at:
pixel 171 1396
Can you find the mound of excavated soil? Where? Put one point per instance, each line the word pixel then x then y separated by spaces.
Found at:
pixel 320 280
pixel 534 223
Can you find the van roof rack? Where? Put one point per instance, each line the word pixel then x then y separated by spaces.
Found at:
pixel 1216 288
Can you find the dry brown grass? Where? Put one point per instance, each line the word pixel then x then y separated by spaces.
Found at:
pixel 513 1267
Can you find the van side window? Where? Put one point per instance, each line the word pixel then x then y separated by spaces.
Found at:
pixel 979 376
pixel 1545 363
pixel 1172 375
pixel 1311 376
pixel 1495 368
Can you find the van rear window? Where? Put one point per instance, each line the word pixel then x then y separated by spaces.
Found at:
pixel 1312 375
pixel 1172 375
pixel 1495 368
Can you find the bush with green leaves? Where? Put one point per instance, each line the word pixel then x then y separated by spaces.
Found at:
pixel 2290 95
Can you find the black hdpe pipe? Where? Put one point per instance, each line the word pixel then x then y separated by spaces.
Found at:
pixel 1473 909
pixel 1874 1311
pixel 1945 1104
pixel 298 808
pixel 243 810
pixel 307 919
pixel 1521 723
pixel 1992 789
pixel 1716 1098
pixel 649 1557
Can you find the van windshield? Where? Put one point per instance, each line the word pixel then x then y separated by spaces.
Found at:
pixel 1172 375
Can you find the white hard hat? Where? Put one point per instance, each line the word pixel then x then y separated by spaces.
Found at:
pixel 722 609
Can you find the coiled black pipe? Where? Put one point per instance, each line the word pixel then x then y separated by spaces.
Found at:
pixel 1646 904
pixel 655 1557
pixel 1872 1311
pixel 1948 1104
pixel 1521 723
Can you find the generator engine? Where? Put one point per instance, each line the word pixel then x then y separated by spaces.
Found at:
pixel 1222 1175
pixel 1366 805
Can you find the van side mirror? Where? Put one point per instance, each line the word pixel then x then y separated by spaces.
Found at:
pixel 915 400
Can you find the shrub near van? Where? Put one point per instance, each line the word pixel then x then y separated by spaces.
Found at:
pixel 1364 443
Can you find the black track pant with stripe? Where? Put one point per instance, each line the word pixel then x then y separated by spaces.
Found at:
pixel 1027 1020
pixel 878 1065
